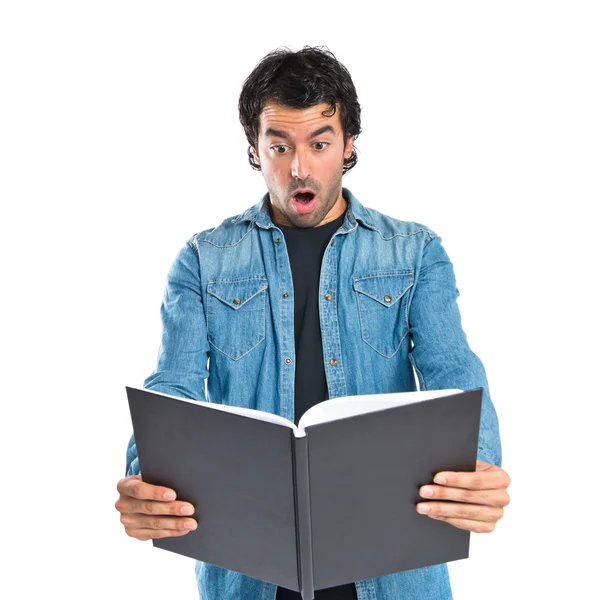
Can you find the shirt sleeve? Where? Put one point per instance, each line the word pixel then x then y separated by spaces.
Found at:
pixel 441 355
pixel 182 364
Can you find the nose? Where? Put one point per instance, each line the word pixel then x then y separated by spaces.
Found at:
pixel 300 166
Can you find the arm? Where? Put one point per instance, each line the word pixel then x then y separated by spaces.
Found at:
pixel 149 511
pixel 441 354
pixel 183 354
pixel 442 359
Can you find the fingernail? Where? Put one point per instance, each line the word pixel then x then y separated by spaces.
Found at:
pixel 187 510
pixel 427 491
pixel 423 508
pixel 439 479
pixel 190 524
pixel 169 495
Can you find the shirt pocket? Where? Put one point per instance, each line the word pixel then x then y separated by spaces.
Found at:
pixel 235 315
pixel 382 308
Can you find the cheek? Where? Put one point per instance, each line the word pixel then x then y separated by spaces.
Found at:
pixel 329 166
pixel 275 175
pixel 277 172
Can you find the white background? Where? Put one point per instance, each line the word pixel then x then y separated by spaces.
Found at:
pixel 119 139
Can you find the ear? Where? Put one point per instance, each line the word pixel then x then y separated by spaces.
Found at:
pixel 349 147
pixel 255 154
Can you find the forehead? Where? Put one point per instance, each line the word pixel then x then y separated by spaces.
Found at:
pixel 296 121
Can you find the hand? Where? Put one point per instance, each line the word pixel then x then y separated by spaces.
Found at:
pixel 143 505
pixel 471 501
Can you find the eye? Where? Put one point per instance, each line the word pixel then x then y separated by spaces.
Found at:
pixel 279 149
pixel 322 146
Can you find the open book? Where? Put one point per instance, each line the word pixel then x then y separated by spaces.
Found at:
pixel 320 504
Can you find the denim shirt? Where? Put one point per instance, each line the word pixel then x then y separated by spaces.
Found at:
pixel 387 303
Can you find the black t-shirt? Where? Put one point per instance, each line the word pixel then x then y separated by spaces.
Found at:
pixel 306 247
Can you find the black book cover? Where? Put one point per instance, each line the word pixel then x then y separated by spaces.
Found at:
pixel 334 506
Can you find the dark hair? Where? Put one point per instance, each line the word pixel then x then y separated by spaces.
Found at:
pixel 301 79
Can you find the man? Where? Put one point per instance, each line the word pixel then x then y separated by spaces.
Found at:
pixel 309 295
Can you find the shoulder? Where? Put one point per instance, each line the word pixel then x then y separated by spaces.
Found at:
pixel 389 227
pixel 229 232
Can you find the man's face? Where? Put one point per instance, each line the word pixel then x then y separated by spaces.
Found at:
pixel 300 149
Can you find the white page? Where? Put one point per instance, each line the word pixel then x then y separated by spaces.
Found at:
pixel 328 410
pixel 349 406
pixel 260 415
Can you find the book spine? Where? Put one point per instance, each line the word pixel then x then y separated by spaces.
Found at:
pixel 303 527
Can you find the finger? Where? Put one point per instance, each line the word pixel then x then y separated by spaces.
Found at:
pixel 137 521
pixel 474 526
pixel 150 507
pixel 152 534
pixel 488 479
pixel 122 481
pixel 498 498
pixel 134 487
pixel 472 512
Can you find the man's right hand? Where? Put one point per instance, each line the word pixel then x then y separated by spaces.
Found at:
pixel 151 511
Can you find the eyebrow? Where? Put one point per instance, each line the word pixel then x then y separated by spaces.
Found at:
pixel 282 134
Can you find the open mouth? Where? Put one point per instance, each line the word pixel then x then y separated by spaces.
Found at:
pixel 303 197
pixel 304 201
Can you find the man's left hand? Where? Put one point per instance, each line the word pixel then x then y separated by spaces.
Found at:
pixel 473 501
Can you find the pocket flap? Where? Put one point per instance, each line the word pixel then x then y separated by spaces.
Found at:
pixel 385 288
pixel 235 293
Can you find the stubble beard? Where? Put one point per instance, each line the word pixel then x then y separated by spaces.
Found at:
pixel 313 219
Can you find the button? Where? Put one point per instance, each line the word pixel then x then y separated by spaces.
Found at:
pixel 288 361
pixel 236 300
pixel 387 298
pixel 328 296
pixel 277 240
pixel 285 295
pixel 333 362
pixel 332 243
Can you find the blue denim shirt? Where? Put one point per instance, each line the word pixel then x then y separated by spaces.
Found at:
pixel 387 304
